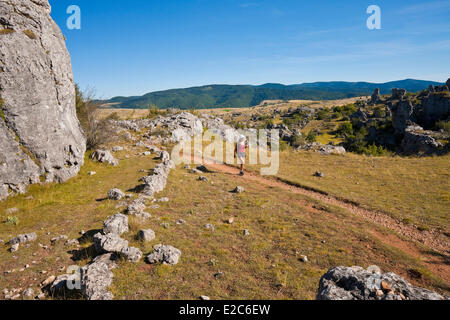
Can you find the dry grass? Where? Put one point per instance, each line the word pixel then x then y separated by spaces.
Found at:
pixel 264 265
pixel 415 190
pixel 30 34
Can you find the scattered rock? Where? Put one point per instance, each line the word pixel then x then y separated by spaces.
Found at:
pixel 205 298
pixel 14 248
pixel 164 254
pixel 132 254
pixel 180 221
pixel 104 156
pixel 238 189
pixel 356 283
pixel 209 226
pixel 58 238
pixel 319 174
pixel 115 194
pixel 146 235
pixel 303 258
pixel 329 149
pixel 109 243
pixel 72 243
pixel 11 211
pixel 23 238
pixel 108 258
pixel 117 149
pixel 137 206
pixel 95 281
pixel 246 232
pixel 202 178
pixel 92 173
pixel 230 220
pixel 117 224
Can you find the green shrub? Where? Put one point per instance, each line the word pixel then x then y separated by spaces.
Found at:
pixel 345 130
pixel 311 137
pixel 324 114
pixel 12 220
pixel 374 150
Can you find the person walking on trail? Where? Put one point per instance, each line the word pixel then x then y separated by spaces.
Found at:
pixel 240 152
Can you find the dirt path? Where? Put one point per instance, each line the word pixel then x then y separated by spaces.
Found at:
pixel 432 239
pixel 437 262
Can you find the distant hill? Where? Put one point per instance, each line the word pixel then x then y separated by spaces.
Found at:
pixel 237 96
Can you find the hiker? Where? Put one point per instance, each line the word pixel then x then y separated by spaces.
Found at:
pixel 240 152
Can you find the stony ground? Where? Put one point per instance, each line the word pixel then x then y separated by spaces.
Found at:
pixel 292 239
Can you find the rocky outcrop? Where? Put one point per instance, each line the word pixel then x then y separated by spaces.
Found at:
pixel 356 283
pixel 156 182
pixel 398 94
pixel 433 108
pixel 419 142
pixel 402 116
pixel 217 126
pixel 96 278
pixel 117 224
pixel 40 135
pixel 376 97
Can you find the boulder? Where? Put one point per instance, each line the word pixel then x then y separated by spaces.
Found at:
pixel 376 97
pixel 433 108
pixel 39 131
pixel 419 142
pixel 146 235
pixel 164 254
pixel 117 224
pixel 95 281
pixel 136 206
pixel 115 194
pixel 132 254
pixel 109 243
pixel 104 156
pixel 398 94
pixel 108 258
pixel 402 115
pixel 356 283
pixel 329 149
pixel 23 238
pixel 238 189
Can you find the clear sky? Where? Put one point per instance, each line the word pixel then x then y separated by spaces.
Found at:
pixel 137 46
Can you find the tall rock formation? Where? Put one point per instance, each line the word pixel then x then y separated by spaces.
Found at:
pixel 40 136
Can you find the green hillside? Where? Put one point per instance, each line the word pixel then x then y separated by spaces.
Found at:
pixel 237 96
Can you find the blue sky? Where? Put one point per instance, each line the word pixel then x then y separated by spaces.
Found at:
pixel 138 46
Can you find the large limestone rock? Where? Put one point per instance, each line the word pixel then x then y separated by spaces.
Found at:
pixel 433 108
pixel 39 131
pixel 402 116
pixel 356 283
pixel 419 142
pixel 376 97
